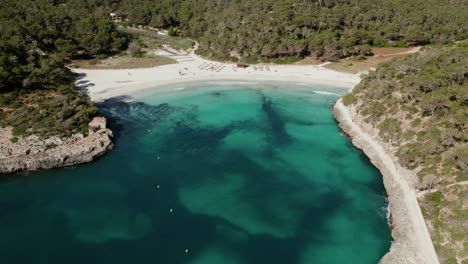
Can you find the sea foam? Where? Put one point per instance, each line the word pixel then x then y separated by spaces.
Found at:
pixel 326 93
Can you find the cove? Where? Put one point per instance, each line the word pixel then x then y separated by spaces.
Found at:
pixel 207 172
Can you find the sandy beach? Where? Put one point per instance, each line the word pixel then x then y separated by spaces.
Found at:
pixel 412 242
pixel 103 84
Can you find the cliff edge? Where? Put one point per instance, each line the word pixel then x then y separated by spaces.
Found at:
pixel 33 153
pixel 412 243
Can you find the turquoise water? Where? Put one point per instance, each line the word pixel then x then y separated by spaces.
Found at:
pixel 232 172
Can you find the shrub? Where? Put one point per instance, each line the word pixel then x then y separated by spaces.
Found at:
pixel 84 130
pixel 349 99
pixel 93 62
pixel 6 99
pixel 51 146
pixel 251 60
pixel 287 60
pixel 435 197
pixel 172 32
pixel 19 130
pixel 14 139
pixel 101 56
pixel 138 55
pixel 416 122
pixel 390 129
pixel 92 112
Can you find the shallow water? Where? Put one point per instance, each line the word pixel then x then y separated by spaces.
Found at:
pixel 232 172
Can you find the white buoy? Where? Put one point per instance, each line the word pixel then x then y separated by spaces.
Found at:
pixel 170 210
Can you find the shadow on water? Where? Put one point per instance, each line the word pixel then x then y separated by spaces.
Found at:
pixel 112 212
pixel 192 141
pixel 277 124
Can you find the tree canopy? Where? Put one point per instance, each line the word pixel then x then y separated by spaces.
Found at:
pixel 326 29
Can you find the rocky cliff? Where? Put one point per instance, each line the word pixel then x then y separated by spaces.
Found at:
pixel 33 153
pixel 412 243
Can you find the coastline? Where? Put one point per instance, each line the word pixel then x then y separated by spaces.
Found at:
pixel 104 84
pixel 33 153
pixel 412 243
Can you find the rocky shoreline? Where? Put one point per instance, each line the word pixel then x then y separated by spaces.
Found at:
pixel 33 153
pixel 412 243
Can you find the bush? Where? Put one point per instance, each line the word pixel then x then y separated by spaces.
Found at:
pixel 138 55
pixel 172 32
pixel 416 122
pixel 349 99
pixel 19 130
pixel 390 129
pixel 14 139
pixel 435 197
pixel 51 146
pixel 93 62
pixel 6 99
pixel 287 60
pixel 101 56
pixel 84 130
pixel 92 112
pixel 251 60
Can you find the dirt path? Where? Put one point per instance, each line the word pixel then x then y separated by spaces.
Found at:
pixel 422 193
pixel 412 50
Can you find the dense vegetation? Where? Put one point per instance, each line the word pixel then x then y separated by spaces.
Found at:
pixel 420 106
pixel 37 94
pixel 254 29
pixel 326 29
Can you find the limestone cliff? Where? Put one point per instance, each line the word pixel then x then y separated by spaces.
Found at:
pixel 34 153
pixel 412 243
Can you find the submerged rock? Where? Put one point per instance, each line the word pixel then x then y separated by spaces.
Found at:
pixel 33 153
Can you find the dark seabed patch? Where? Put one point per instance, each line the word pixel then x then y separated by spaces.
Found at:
pixel 212 174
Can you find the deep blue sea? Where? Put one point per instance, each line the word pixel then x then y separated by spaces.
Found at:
pixel 206 173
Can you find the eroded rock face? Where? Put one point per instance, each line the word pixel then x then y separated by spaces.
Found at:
pixel 33 153
pixel 412 243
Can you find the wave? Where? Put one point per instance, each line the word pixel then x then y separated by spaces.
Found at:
pixel 326 93
pixel 179 88
pixel 304 84
pixel 388 215
pixel 385 211
pixel 233 83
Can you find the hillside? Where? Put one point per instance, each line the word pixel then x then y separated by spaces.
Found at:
pixel 419 105
pixel 264 30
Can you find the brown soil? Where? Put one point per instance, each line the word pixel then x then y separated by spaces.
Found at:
pixel 124 62
pixel 352 65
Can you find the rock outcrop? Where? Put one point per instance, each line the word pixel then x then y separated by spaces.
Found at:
pixel 412 243
pixel 33 153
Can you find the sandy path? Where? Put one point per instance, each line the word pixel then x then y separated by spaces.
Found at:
pixel 412 50
pixel 412 242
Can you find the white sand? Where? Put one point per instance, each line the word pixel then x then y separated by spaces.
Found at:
pixel 104 84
